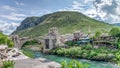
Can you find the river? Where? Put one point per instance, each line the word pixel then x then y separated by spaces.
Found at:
pixel 92 64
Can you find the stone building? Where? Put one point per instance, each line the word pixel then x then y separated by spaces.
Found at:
pixel 16 40
pixel 106 41
pixel 68 37
pixel 78 35
pixel 52 39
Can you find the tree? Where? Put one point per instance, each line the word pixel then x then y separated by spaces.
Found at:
pixel 114 32
pixel 117 55
pixel 6 40
pixel 97 34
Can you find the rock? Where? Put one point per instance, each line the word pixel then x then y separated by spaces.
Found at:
pixel 53 64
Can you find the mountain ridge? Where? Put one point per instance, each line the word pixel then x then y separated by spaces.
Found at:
pixel 66 21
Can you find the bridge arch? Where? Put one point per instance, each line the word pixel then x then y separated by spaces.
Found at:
pixel 31 42
pixel 18 42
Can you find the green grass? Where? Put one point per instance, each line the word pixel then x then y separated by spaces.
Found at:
pixel 8 64
pixel 28 52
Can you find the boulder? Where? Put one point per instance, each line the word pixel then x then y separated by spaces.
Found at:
pixel 2 47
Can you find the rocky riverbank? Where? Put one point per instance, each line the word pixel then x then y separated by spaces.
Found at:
pixel 22 61
pixel 36 63
pixel 11 53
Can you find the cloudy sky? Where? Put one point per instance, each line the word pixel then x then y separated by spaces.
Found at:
pixel 12 12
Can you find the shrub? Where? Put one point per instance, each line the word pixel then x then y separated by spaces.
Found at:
pixel 69 43
pixel 118 46
pixel 73 64
pixel 5 40
pixel 97 34
pixel 118 57
pixel 92 54
pixel 8 64
pixel 87 47
pixel 114 32
pixel 86 52
pixel 60 51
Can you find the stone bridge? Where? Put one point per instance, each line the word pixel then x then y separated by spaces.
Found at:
pixel 18 42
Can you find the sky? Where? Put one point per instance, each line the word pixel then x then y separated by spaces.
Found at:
pixel 12 12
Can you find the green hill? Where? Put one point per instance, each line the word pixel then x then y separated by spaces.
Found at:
pixel 66 21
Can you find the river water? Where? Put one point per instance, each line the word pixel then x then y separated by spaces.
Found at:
pixel 92 64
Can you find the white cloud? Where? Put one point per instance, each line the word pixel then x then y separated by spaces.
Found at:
pixel 87 1
pixel 6 7
pixel 91 12
pixel 105 10
pixel 115 18
pixel 19 3
pixel 118 10
pixel 2 24
pixel 8 27
pixel 14 16
pixel 110 8
pixel 77 5
pixel 2 21
pixel 40 12
pixel 102 15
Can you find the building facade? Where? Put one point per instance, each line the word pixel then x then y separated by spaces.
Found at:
pixel 52 39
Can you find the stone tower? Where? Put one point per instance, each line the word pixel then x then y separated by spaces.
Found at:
pixel 52 39
pixel 16 40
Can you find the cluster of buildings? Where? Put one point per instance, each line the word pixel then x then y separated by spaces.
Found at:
pixel 54 39
pixel 76 36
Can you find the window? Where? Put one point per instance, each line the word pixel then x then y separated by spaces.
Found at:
pixel 47 43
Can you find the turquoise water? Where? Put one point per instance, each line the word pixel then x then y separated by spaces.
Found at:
pixel 92 64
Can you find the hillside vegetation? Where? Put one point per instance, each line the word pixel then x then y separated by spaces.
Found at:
pixel 5 40
pixel 65 21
